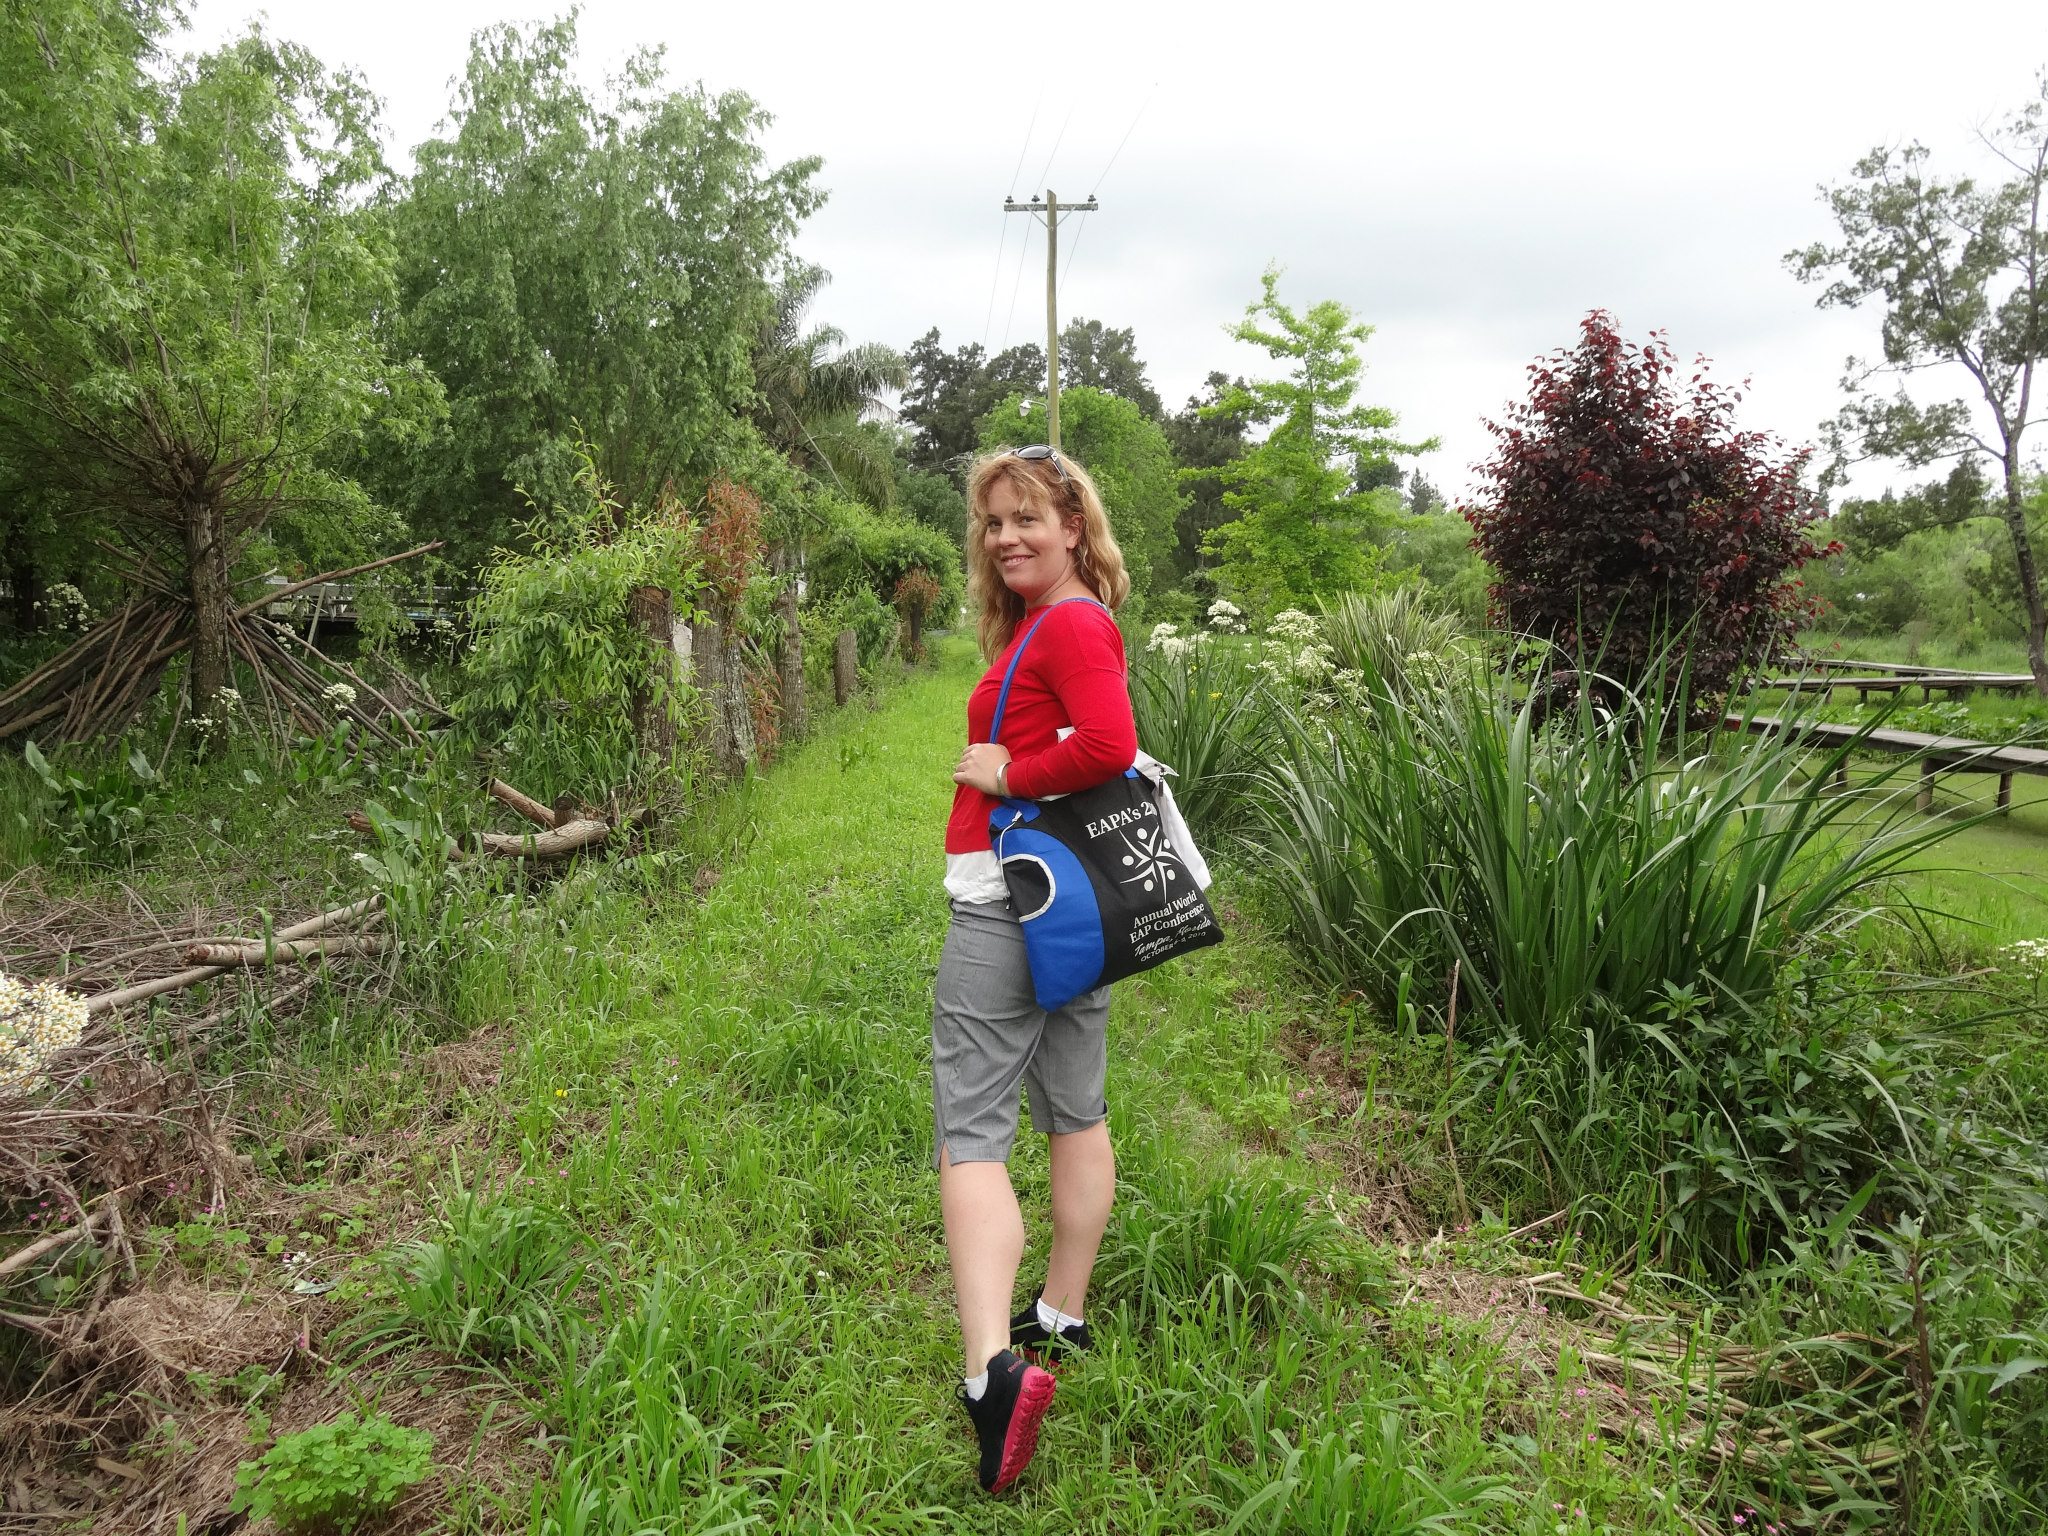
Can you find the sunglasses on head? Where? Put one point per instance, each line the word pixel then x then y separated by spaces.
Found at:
pixel 1042 451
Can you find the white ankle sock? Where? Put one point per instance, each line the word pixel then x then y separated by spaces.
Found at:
pixel 976 1385
pixel 1052 1319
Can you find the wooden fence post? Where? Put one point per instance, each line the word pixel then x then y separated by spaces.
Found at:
pixel 794 716
pixel 721 676
pixel 652 612
pixel 845 666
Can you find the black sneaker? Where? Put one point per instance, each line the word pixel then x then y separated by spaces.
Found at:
pixel 1029 1334
pixel 1006 1418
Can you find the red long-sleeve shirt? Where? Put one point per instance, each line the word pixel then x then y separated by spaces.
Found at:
pixel 1073 673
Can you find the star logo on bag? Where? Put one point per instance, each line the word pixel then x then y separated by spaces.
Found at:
pixel 1152 863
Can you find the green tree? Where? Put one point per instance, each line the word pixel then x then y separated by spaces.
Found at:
pixel 813 393
pixel 1424 499
pixel 1962 273
pixel 1127 454
pixel 576 266
pixel 813 397
pixel 1092 356
pixel 1302 527
pixel 187 283
pixel 1204 438
pixel 950 392
pixel 932 500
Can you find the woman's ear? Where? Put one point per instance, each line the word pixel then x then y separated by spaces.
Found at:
pixel 1074 531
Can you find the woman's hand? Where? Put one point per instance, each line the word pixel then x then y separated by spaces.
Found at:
pixel 979 765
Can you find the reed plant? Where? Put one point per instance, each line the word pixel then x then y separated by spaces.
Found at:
pixel 1202 708
pixel 1622 924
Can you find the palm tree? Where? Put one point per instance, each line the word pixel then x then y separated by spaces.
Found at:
pixel 812 394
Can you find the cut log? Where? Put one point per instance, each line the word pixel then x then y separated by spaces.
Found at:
pixel 652 611
pixel 570 837
pixel 255 953
pixel 524 804
pixel 845 666
pixel 171 983
pixel 790 660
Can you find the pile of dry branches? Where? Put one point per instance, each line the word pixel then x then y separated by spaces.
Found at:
pixel 105 681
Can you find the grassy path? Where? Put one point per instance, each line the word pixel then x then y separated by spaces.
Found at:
pixel 719 1110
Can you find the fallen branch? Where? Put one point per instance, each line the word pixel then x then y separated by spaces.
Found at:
pixel 171 983
pixel 252 953
pixel 26 1255
pixel 570 837
pixel 313 581
pixel 524 804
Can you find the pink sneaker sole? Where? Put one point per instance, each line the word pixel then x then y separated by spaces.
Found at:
pixel 1034 1396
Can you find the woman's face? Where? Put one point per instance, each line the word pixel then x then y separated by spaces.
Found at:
pixel 1033 550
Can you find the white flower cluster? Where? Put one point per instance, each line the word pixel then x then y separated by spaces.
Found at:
pixel 1169 642
pixel 338 696
pixel 2029 956
pixel 37 1020
pixel 220 711
pixel 66 606
pixel 1292 627
pixel 1226 618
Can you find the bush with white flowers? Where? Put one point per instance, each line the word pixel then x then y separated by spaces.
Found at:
pixel 1225 617
pixel 65 607
pixel 37 1021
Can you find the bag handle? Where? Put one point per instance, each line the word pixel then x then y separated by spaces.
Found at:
pixel 995 728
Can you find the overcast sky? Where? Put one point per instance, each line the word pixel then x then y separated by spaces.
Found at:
pixel 1470 179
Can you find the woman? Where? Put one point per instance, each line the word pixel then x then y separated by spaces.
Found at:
pixel 1038 539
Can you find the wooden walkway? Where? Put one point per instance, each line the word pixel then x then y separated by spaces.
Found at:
pixel 1937 754
pixel 1954 684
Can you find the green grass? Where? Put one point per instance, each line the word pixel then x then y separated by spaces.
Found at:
pixel 689 1229
pixel 1921 651
pixel 1990 881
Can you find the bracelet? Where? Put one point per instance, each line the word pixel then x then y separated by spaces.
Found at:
pixel 1003 780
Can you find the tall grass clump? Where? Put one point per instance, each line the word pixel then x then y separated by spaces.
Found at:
pixel 1393 639
pixel 1637 917
pixel 1201 710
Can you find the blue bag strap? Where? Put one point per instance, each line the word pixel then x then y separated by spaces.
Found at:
pixel 995 729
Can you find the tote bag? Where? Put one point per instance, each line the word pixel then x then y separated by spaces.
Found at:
pixel 1093 877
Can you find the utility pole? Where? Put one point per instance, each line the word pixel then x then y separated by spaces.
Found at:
pixel 1048 208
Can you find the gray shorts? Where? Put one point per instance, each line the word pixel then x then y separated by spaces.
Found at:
pixel 988 1034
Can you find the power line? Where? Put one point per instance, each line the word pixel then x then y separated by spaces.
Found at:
pixel 1115 154
pixel 995 281
pixel 1016 288
pixel 1120 143
pixel 1029 130
pixel 1073 252
pixel 1061 139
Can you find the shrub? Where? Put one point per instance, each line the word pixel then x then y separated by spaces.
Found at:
pixel 1200 711
pixel 550 680
pixel 333 1477
pixel 875 550
pixel 1620 509
pixel 1394 639
pixel 1623 928
pixel 102 818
